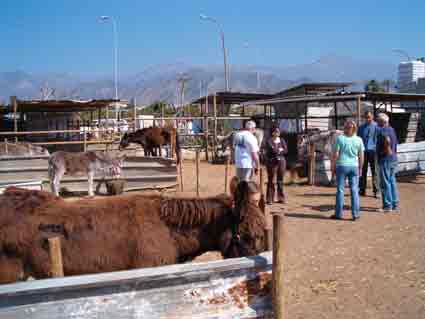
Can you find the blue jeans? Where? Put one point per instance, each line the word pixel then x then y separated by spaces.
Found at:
pixel 387 169
pixel 352 172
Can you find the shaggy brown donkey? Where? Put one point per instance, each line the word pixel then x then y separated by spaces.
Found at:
pixel 122 232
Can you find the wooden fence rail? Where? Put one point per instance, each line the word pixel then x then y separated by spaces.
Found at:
pixel 232 288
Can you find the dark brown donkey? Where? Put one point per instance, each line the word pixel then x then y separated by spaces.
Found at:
pixel 153 138
pixel 122 232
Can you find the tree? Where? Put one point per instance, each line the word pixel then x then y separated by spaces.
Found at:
pixel 157 107
pixel 374 86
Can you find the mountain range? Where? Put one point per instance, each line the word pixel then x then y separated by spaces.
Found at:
pixel 160 82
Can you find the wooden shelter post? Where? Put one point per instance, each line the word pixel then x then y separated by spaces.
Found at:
pixel 336 114
pixel 14 103
pixel 215 126
pixel 359 105
pixel 298 118
pixel 205 125
pixel 197 173
pixel 312 163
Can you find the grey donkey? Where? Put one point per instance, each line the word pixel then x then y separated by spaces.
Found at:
pixel 82 163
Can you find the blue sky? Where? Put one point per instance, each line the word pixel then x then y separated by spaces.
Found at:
pixel 64 35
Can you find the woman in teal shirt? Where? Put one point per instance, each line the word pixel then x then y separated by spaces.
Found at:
pixel 347 163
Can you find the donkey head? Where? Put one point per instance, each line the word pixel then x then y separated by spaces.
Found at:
pixel 111 162
pixel 125 141
pixel 246 237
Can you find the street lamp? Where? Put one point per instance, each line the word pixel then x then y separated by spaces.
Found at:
pixel 115 31
pixel 246 45
pixel 404 53
pixel 226 71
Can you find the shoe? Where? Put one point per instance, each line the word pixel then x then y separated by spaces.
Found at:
pixel 385 210
pixel 356 218
pixel 282 201
pixel 396 209
pixel 269 203
pixel 362 194
pixel 377 196
pixel 335 217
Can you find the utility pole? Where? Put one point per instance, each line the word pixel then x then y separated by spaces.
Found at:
pixel 182 83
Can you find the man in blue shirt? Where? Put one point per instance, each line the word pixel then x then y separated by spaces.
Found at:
pixel 386 149
pixel 368 133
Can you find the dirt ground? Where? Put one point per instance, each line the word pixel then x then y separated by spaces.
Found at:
pixel 371 268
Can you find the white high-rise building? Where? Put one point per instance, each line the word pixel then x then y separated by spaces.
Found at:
pixel 409 73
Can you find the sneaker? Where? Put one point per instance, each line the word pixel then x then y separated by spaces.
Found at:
pixel 385 210
pixel 396 209
pixel 335 217
pixel 356 218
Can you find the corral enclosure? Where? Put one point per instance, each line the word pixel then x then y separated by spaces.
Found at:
pixel 139 172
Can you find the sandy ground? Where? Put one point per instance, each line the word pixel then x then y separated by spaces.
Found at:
pixel 371 268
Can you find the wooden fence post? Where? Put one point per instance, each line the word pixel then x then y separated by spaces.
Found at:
pixel 226 174
pixel 206 137
pixel 279 243
pixel 262 202
pixel 85 141
pixel 181 173
pixel 55 253
pixel 197 172
pixel 311 163
pixel 6 149
pixel 269 238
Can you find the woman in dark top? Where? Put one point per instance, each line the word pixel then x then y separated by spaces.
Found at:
pixel 275 150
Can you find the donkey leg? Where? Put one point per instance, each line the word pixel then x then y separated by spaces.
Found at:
pixel 90 176
pixel 55 183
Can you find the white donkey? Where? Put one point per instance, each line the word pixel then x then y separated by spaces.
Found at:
pixel 82 163
pixel 324 144
pixel 227 141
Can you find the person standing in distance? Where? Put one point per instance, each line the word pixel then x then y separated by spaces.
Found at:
pixel 246 152
pixel 386 148
pixel 368 133
pixel 347 163
pixel 275 150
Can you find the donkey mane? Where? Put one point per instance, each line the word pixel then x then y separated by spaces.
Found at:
pixel 193 212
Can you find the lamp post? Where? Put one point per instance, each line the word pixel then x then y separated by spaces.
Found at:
pixel 115 34
pixel 226 70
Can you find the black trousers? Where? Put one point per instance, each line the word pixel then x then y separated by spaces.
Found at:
pixel 275 170
pixel 369 160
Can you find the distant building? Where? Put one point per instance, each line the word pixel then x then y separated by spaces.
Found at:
pixel 409 73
